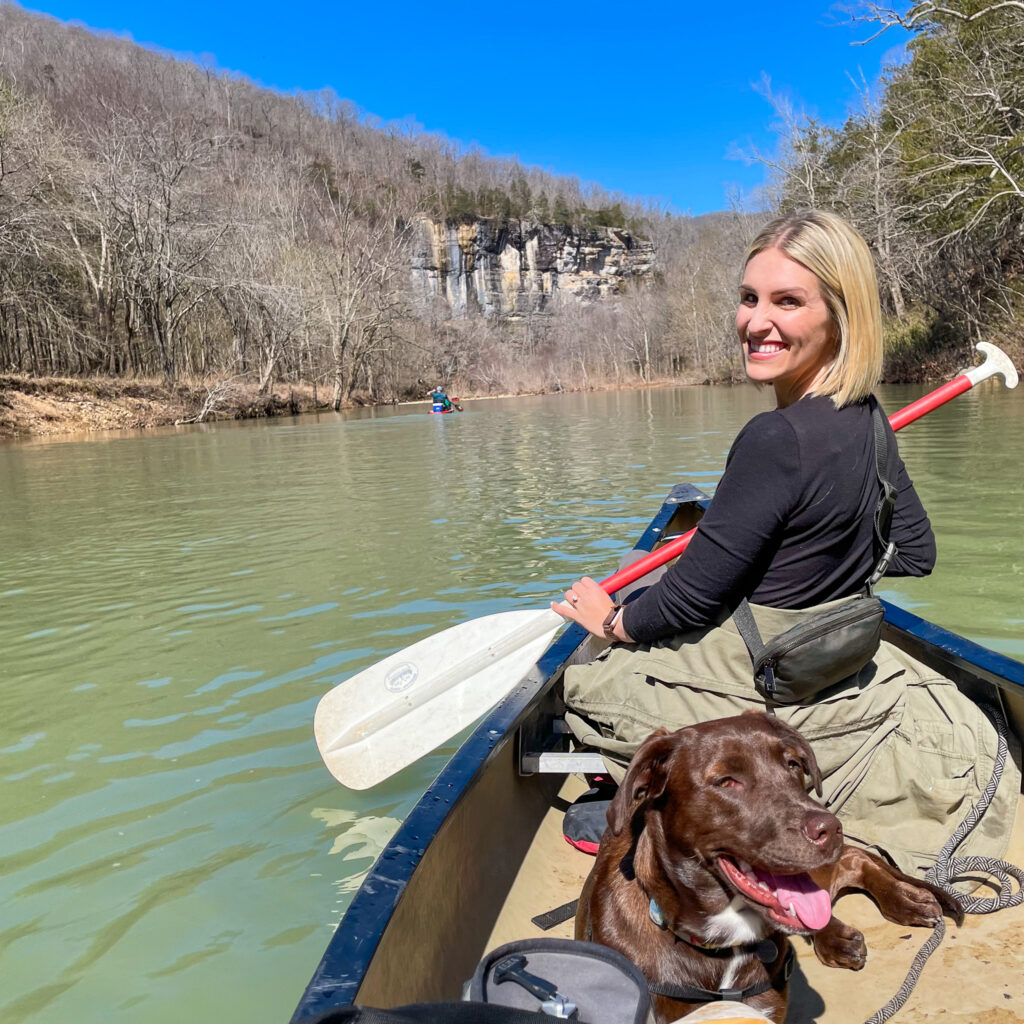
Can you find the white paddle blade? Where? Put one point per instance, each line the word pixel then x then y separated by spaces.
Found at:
pixel 393 713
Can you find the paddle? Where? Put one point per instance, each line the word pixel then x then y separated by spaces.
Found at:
pixel 393 713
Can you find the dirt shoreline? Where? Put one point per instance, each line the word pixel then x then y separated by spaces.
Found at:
pixel 54 407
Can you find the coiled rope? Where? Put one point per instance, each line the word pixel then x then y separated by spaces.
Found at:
pixel 948 869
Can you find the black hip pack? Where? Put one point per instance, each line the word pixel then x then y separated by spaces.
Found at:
pixel 795 666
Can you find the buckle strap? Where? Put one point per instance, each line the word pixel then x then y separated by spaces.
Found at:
pixel 884 465
pixel 694 994
pixel 742 615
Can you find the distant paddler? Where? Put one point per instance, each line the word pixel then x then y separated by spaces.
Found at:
pixel 440 402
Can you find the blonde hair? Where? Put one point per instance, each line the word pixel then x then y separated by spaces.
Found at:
pixel 839 258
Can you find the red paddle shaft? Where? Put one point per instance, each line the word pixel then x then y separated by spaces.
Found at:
pixel 898 420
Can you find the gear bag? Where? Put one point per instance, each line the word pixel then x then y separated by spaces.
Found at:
pixel 795 666
pixel 529 982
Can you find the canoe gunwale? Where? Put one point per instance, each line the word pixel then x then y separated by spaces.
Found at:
pixel 533 703
pixel 338 976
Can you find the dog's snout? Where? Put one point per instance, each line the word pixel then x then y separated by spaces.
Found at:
pixel 822 828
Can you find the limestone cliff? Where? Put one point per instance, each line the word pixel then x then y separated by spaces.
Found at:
pixel 510 268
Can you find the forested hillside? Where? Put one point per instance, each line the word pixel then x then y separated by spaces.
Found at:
pixel 163 220
pixel 931 169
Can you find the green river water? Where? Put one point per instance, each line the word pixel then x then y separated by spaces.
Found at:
pixel 173 604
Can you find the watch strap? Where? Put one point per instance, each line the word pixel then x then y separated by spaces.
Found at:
pixel 609 622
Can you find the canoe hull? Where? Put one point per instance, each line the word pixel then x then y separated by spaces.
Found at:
pixel 429 908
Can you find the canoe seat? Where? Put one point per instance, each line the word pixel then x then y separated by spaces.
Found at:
pixel 545 753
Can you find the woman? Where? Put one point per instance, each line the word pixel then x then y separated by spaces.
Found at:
pixel 791 529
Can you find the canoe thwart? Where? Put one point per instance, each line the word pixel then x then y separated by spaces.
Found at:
pixel 557 761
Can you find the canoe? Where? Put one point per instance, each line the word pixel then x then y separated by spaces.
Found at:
pixel 438 409
pixel 482 854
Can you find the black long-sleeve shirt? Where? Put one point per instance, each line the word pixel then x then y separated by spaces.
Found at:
pixel 791 523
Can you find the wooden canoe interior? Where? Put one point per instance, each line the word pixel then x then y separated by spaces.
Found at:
pixel 500 859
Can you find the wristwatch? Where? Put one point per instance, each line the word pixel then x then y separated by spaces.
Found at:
pixel 609 622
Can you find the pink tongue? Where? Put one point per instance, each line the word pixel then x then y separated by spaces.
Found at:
pixel 811 904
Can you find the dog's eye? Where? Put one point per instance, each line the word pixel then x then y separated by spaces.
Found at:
pixel 795 765
pixel 725 782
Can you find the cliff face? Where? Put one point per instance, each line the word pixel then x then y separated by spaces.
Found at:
pixel 510 268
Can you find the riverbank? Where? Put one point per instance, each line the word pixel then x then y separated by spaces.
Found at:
pixel 55 406
pixel 50 406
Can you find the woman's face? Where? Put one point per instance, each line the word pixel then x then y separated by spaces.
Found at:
pixel 784 325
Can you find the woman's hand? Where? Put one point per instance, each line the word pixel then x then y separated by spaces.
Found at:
pixel 586 603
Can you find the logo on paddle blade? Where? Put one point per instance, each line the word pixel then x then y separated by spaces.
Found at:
pixel 401 677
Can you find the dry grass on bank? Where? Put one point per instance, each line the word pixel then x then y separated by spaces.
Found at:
pixel 33 407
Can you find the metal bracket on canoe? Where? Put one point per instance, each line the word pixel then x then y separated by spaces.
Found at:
pixel 549 757
pixel 557 762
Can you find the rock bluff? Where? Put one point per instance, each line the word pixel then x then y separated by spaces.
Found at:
pixel 513 268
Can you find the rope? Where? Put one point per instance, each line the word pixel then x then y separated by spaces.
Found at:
pixel 948 869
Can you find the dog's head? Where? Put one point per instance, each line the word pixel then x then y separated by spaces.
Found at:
pixel 728 797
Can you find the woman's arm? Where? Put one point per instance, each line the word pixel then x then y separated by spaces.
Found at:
pixel 735 540
pixel 911 531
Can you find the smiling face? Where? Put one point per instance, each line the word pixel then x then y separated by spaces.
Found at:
pixel 784 325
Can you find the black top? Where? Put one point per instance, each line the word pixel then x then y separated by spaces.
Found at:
pixel 791 523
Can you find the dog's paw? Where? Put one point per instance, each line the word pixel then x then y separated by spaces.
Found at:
pixel 839 945
pixel 912 904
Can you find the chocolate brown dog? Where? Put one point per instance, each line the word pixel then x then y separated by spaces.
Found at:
pixel 714 854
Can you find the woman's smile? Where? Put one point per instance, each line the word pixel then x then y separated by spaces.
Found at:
pixel 762 349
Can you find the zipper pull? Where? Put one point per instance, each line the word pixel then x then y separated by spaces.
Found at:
pixel 769 678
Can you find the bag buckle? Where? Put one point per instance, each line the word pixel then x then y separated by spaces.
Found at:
pixel 883 564
pixel 734 994
pixel 552 1002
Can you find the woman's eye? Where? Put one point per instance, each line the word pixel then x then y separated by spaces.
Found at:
pixel 788 302
pixel 746 299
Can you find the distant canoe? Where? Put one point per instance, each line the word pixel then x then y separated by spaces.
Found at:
pixel 438 409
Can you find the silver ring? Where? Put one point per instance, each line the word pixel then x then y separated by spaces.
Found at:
pixel 574 598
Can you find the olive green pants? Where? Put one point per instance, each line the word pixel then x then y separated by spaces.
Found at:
pixel 903 753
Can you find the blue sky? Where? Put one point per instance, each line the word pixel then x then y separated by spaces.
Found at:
pixel 644 99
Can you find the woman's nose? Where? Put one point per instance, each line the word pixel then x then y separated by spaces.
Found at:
pixel 760 321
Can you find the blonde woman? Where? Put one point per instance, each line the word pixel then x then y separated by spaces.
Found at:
pixel 791 528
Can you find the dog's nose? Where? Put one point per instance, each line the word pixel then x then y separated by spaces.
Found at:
pixel 821 828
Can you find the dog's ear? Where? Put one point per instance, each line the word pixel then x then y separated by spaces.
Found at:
pixel 645 778
pixel 810 763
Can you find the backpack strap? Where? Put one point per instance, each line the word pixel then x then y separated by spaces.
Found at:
pixel 884 466
pixel 884 470
pixel 744 619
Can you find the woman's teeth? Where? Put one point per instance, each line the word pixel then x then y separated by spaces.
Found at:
pixel 767 347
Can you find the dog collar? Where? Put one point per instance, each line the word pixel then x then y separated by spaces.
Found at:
pixel 766 951
pixel 693 994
